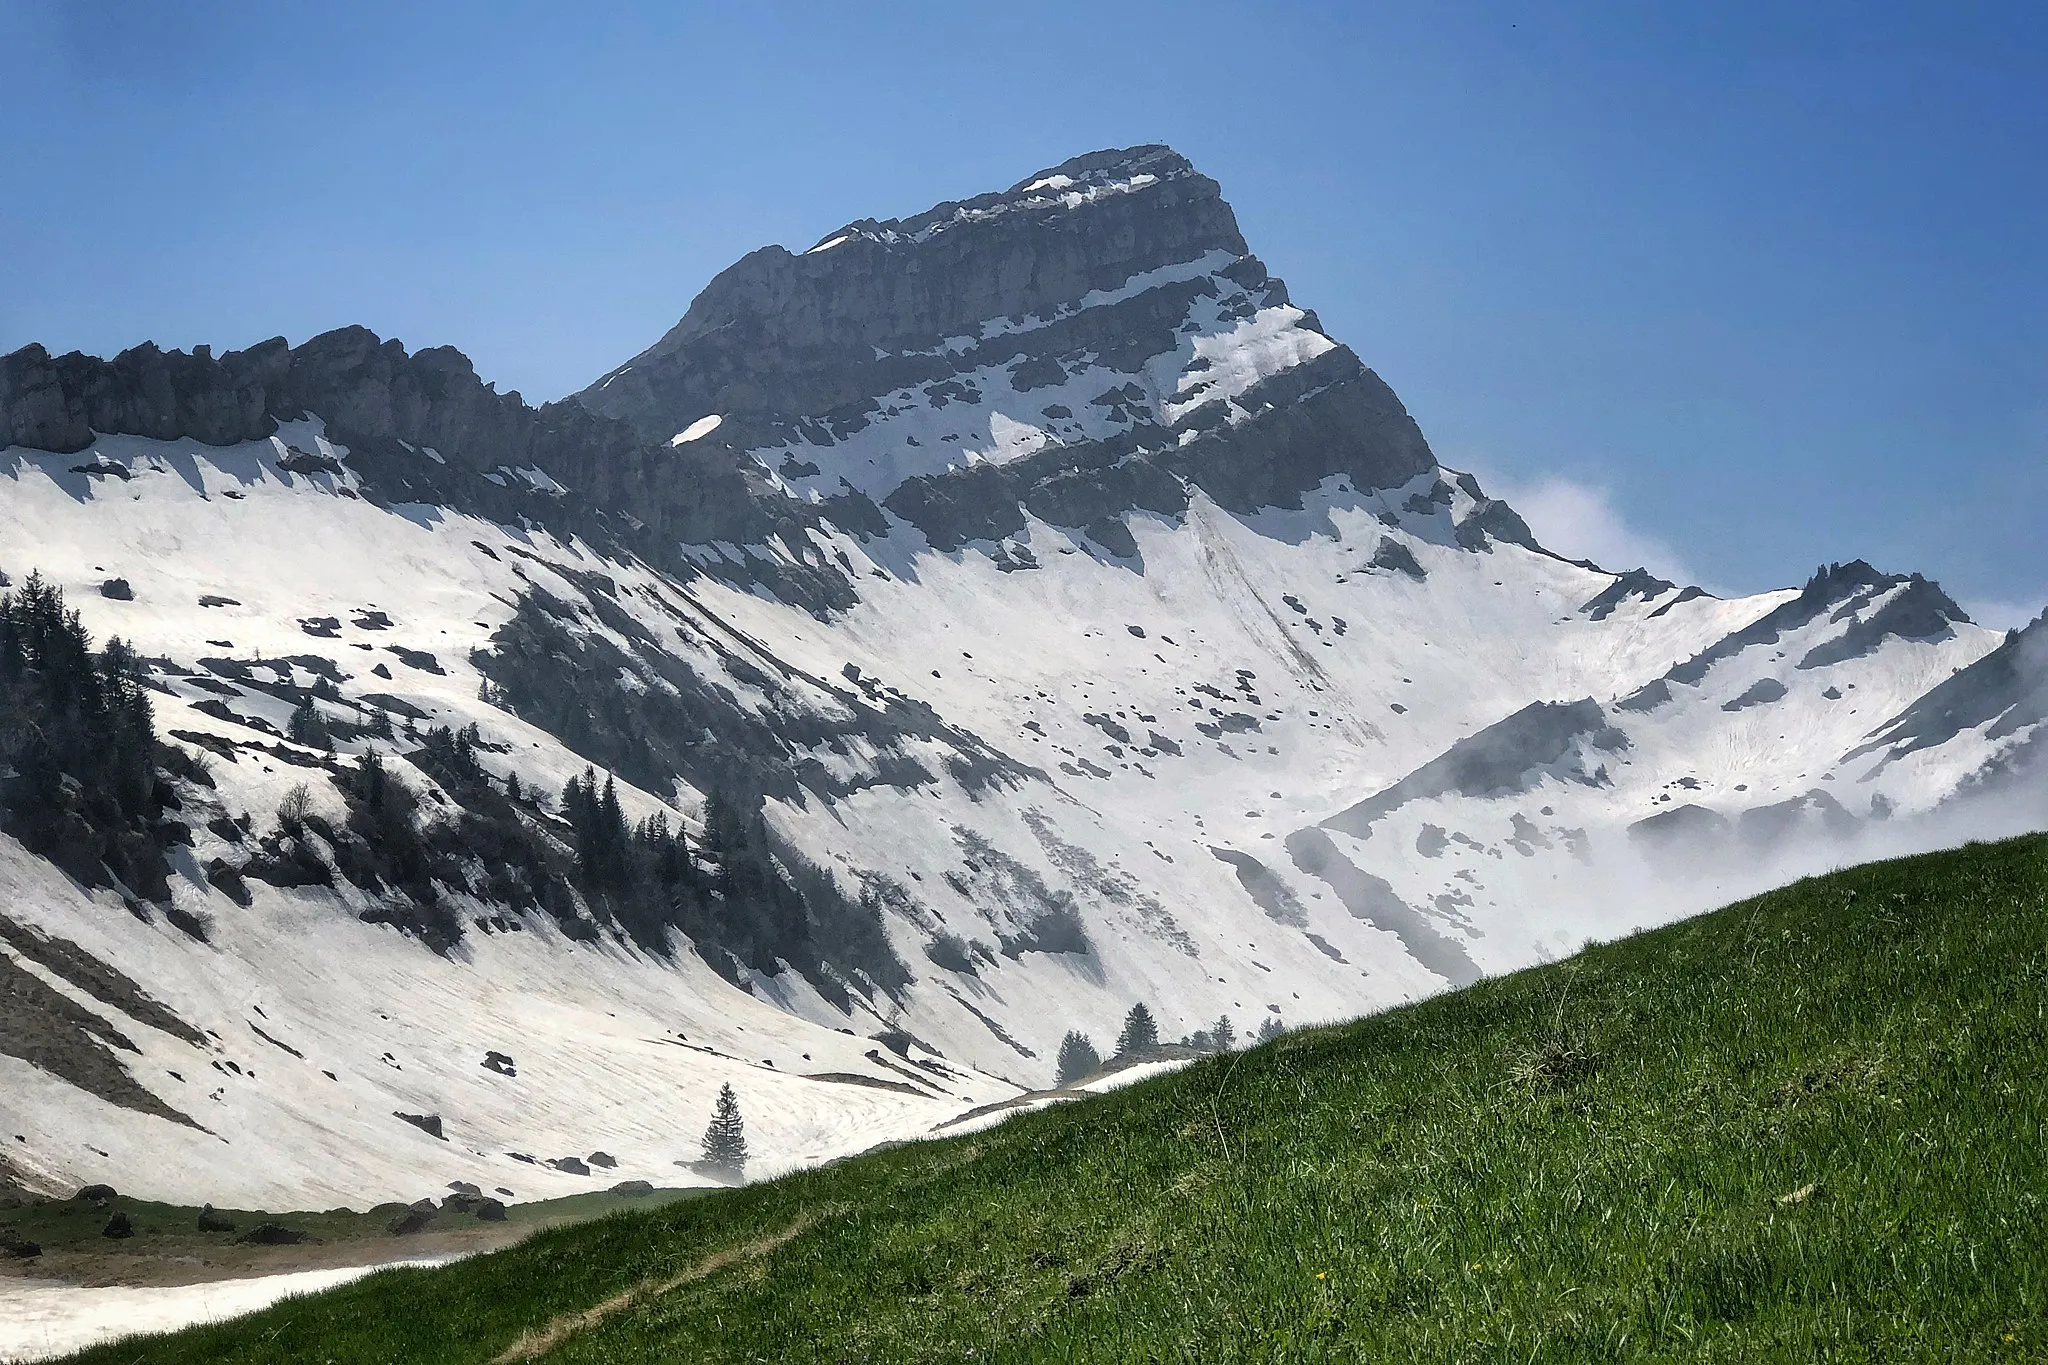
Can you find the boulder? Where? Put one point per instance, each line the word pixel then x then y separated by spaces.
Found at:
pixel 430 1124
pixel 411 1221
pixel 120 1225
pixel 272 1235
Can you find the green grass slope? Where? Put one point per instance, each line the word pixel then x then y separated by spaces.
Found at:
pixel 1806 1127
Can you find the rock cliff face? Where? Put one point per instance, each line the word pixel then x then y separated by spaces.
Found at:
pixel 420 427
pixel 1095 340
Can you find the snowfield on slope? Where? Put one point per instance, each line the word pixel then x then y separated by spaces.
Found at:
pixel 1177 716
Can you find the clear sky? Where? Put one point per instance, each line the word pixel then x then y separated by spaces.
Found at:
pixel 1720 287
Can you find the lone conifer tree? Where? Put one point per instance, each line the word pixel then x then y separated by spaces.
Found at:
pixel 725 1140
pixel 1078 1057
pixel 1272 1028
pixel 1223 1036
pixel 1140 1035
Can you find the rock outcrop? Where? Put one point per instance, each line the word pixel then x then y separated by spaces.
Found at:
pixel 1093 341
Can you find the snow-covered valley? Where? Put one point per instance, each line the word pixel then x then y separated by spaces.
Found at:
pixel 1184 674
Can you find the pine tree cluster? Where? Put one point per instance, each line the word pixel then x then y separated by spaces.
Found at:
pixel 78 750
pixel 743 893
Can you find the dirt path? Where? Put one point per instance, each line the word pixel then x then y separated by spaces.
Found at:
pixel 533 1345
pixel 173 1266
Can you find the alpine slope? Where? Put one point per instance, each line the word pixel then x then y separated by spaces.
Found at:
pixel 1065 618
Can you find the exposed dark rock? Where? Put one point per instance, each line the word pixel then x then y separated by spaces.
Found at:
pixel 1682 829
pixel 273 1235
pixel 603 1159
pixel 225 878
pixel 1636 583
pixel 632 1188
pixel 1831 586
pixel 430 1124
pixel 1491 520
pixel 1919 611
pixel 2005 691
pixel 297 461
pixel 97 979
pixel 95 1194
pixel 1059 930
pixel 953 953
pixel 1396 557
pixel 1371 899
pixel 793 348
pixel 120 1225
pixel 1764 828
pixel 47 1029
pixel 1268 891
pixel 1759 693
pixel 782 347
pixel 118 590
pixel 570 1165
pixel 417 658
pixel 411 1221
pixel 1504 757
pixel 1651 695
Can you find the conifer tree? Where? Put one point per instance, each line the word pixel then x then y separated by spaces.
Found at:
pixel 725 1140
pixel 308 727
pixel 1078 1057
pixel 1140 1035
pixel 1272 1028
pixel 1223 1036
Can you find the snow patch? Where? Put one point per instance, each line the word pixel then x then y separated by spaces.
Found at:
pixel 697 430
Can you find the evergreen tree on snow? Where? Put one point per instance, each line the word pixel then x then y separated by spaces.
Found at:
pixel 1140 1035
pixel 308 727
pixel 725 1140
pixel 1223 1036
pixel 1078 1057
pixel 1272 1028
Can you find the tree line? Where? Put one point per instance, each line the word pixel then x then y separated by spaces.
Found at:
pixel 1139 1041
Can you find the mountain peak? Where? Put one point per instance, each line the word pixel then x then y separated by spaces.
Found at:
pixel 1094 340
pixel 1073 184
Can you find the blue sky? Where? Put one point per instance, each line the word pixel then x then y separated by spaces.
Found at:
pixel 1719 287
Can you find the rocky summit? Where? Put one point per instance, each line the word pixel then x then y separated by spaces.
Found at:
pixel 1095 340
pixel 944 638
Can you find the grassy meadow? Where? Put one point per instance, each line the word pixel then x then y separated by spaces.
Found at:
pixel 1811 1126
